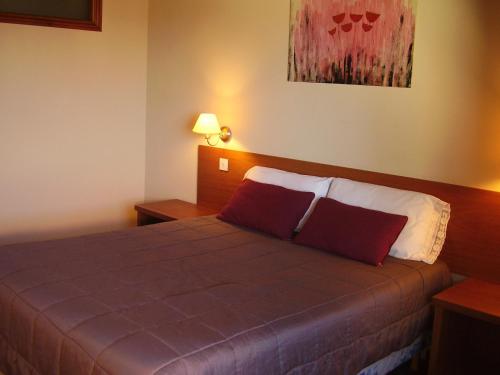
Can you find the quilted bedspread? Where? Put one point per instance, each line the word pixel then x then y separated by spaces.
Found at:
pixel 200 296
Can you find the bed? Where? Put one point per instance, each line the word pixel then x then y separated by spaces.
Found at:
pixel 200 296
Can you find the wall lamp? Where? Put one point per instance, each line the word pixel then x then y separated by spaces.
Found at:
pixel 208 125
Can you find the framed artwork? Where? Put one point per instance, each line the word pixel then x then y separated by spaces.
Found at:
pixel 72 14
pixel 359 42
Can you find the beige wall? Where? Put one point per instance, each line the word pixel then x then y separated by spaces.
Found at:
pixel 72 125
pixel 230 57
pixel 73 107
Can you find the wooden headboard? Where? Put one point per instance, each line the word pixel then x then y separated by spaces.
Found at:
pixel 473 242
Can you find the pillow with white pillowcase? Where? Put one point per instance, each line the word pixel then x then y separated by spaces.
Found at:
pixel 294 181
pixel 423 237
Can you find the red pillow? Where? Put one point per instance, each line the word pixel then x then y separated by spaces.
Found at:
pixel 269 208
pixel 353 232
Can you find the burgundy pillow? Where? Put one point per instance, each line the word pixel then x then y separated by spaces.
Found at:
pixel 353 232
pixel 269 208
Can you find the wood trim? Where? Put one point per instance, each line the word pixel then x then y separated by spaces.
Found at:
pixel 473 242
pixel 437 338
pixel 93 24
pixel 173 209
pixel 475 298
pixel 466 334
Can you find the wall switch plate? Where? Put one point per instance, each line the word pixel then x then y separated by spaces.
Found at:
pixel 223 165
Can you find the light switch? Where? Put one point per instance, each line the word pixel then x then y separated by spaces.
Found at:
pixel 224 165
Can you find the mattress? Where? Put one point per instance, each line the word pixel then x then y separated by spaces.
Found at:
pixel 200 296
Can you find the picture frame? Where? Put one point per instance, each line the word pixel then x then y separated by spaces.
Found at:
pixel 352 42
pixel 75 14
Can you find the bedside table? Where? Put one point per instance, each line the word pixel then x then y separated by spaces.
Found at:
pixel 466 333
pixel 173 209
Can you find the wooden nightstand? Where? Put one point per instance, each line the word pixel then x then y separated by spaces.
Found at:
pixel 466 334
pixel 173 209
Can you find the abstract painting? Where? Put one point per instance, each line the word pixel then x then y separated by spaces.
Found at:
pixel 359 42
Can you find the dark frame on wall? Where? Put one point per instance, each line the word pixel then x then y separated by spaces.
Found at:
pixel 91 22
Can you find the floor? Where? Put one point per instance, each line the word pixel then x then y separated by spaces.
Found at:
pixel 406 369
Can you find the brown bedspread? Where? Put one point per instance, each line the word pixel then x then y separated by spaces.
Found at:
pixel 203 297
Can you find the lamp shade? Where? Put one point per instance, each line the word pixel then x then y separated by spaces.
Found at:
pixel 207 124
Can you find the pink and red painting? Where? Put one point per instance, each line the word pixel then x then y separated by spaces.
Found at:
pixel 359 42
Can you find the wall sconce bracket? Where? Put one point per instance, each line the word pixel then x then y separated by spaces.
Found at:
pixel 225 134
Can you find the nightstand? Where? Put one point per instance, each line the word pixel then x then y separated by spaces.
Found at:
pixel 173 209
pixel 466 333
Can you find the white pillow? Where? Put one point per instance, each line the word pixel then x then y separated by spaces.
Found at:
pixel 293 181
pixel 423 236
